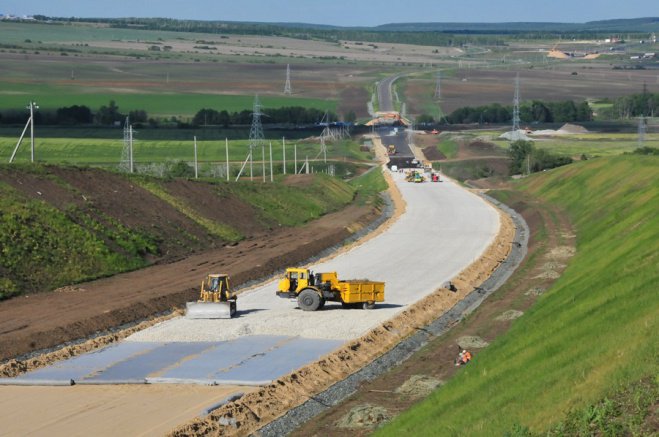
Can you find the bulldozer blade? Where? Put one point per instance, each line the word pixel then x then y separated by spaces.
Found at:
pixel 208 310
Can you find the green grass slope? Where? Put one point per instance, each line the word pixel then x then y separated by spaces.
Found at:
pixel 594 332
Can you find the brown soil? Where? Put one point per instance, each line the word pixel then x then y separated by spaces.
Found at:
pixel 130 410
pixel 39 321
pixel 259 408
pixel 437 359
pixel 483 87
pixel 433 154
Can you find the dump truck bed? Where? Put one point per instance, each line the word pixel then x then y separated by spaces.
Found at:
pixel 357 291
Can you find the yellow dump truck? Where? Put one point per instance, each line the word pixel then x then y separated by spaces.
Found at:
pixel 313 290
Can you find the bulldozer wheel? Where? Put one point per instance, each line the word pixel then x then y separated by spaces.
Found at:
pixel 232 309
pixel 308 300
pixel 368 306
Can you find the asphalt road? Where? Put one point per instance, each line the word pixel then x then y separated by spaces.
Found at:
pixel 385 101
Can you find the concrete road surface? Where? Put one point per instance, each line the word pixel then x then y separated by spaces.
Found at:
pixel 444 229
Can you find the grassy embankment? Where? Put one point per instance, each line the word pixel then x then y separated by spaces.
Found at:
pixel 44 246
pixel 591 335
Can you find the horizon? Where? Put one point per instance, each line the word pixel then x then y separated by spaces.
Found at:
pixel 344 13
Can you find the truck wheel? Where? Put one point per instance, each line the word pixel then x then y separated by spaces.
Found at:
pixel 308 300
pixel 232 309
pixel 368 306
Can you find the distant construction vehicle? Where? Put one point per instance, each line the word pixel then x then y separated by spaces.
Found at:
pixel 216 300
pixel 313 290
pixel 415 176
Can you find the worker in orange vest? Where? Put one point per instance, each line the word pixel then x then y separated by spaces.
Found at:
pixel 463 358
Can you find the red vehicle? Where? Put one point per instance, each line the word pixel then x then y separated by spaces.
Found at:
pixel 435 177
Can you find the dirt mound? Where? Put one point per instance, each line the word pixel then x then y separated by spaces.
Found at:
pixel 509 315
pixel 298 180
pixel 568 128
pixel 480 147
pixel 419 386
pixel 364 416
pixel 472 342
pixel 432 153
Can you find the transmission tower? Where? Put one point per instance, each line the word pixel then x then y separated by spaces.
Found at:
pixel 515 131
pixel 126 164
pixel 287 86
pixel 256 138
pixel 641 131
pixel 438 87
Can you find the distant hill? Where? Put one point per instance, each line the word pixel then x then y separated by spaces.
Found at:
pixel 649 24
pixel 635 25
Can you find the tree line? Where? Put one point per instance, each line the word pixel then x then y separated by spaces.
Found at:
pixel 644 104
pixel 526 158
pixel 110 115
pixel 533 111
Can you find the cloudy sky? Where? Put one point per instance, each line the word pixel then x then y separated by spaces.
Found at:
pixel 344 12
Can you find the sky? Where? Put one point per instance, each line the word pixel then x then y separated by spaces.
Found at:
pixel 344 12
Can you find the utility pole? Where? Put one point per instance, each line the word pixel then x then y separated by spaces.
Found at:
pixel 30 123
pixel 130 147
pixel 196 169
pixel 263 160
pixel 226 147
pixel 283 142
pixel 295 156
pixel 32 107
pixel 271 176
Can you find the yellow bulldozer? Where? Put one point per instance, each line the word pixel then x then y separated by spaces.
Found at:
pixel 216 300
pixel 313 290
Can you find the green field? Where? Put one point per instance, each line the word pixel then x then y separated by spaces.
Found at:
pixel 157 103
pixel 107 152
pixel 591 144
pixel 592 333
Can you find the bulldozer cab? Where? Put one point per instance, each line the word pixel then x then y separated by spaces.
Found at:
pixel 215 288
pixel 217 283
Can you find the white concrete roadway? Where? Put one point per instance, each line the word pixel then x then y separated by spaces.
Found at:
pixel 443 230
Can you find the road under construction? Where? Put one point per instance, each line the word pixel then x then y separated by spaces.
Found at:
pixel 443 229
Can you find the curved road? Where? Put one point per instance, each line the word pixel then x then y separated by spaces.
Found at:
pixel 443 230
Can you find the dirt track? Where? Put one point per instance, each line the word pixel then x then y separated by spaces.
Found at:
pixel 100 411
pixel 36 322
